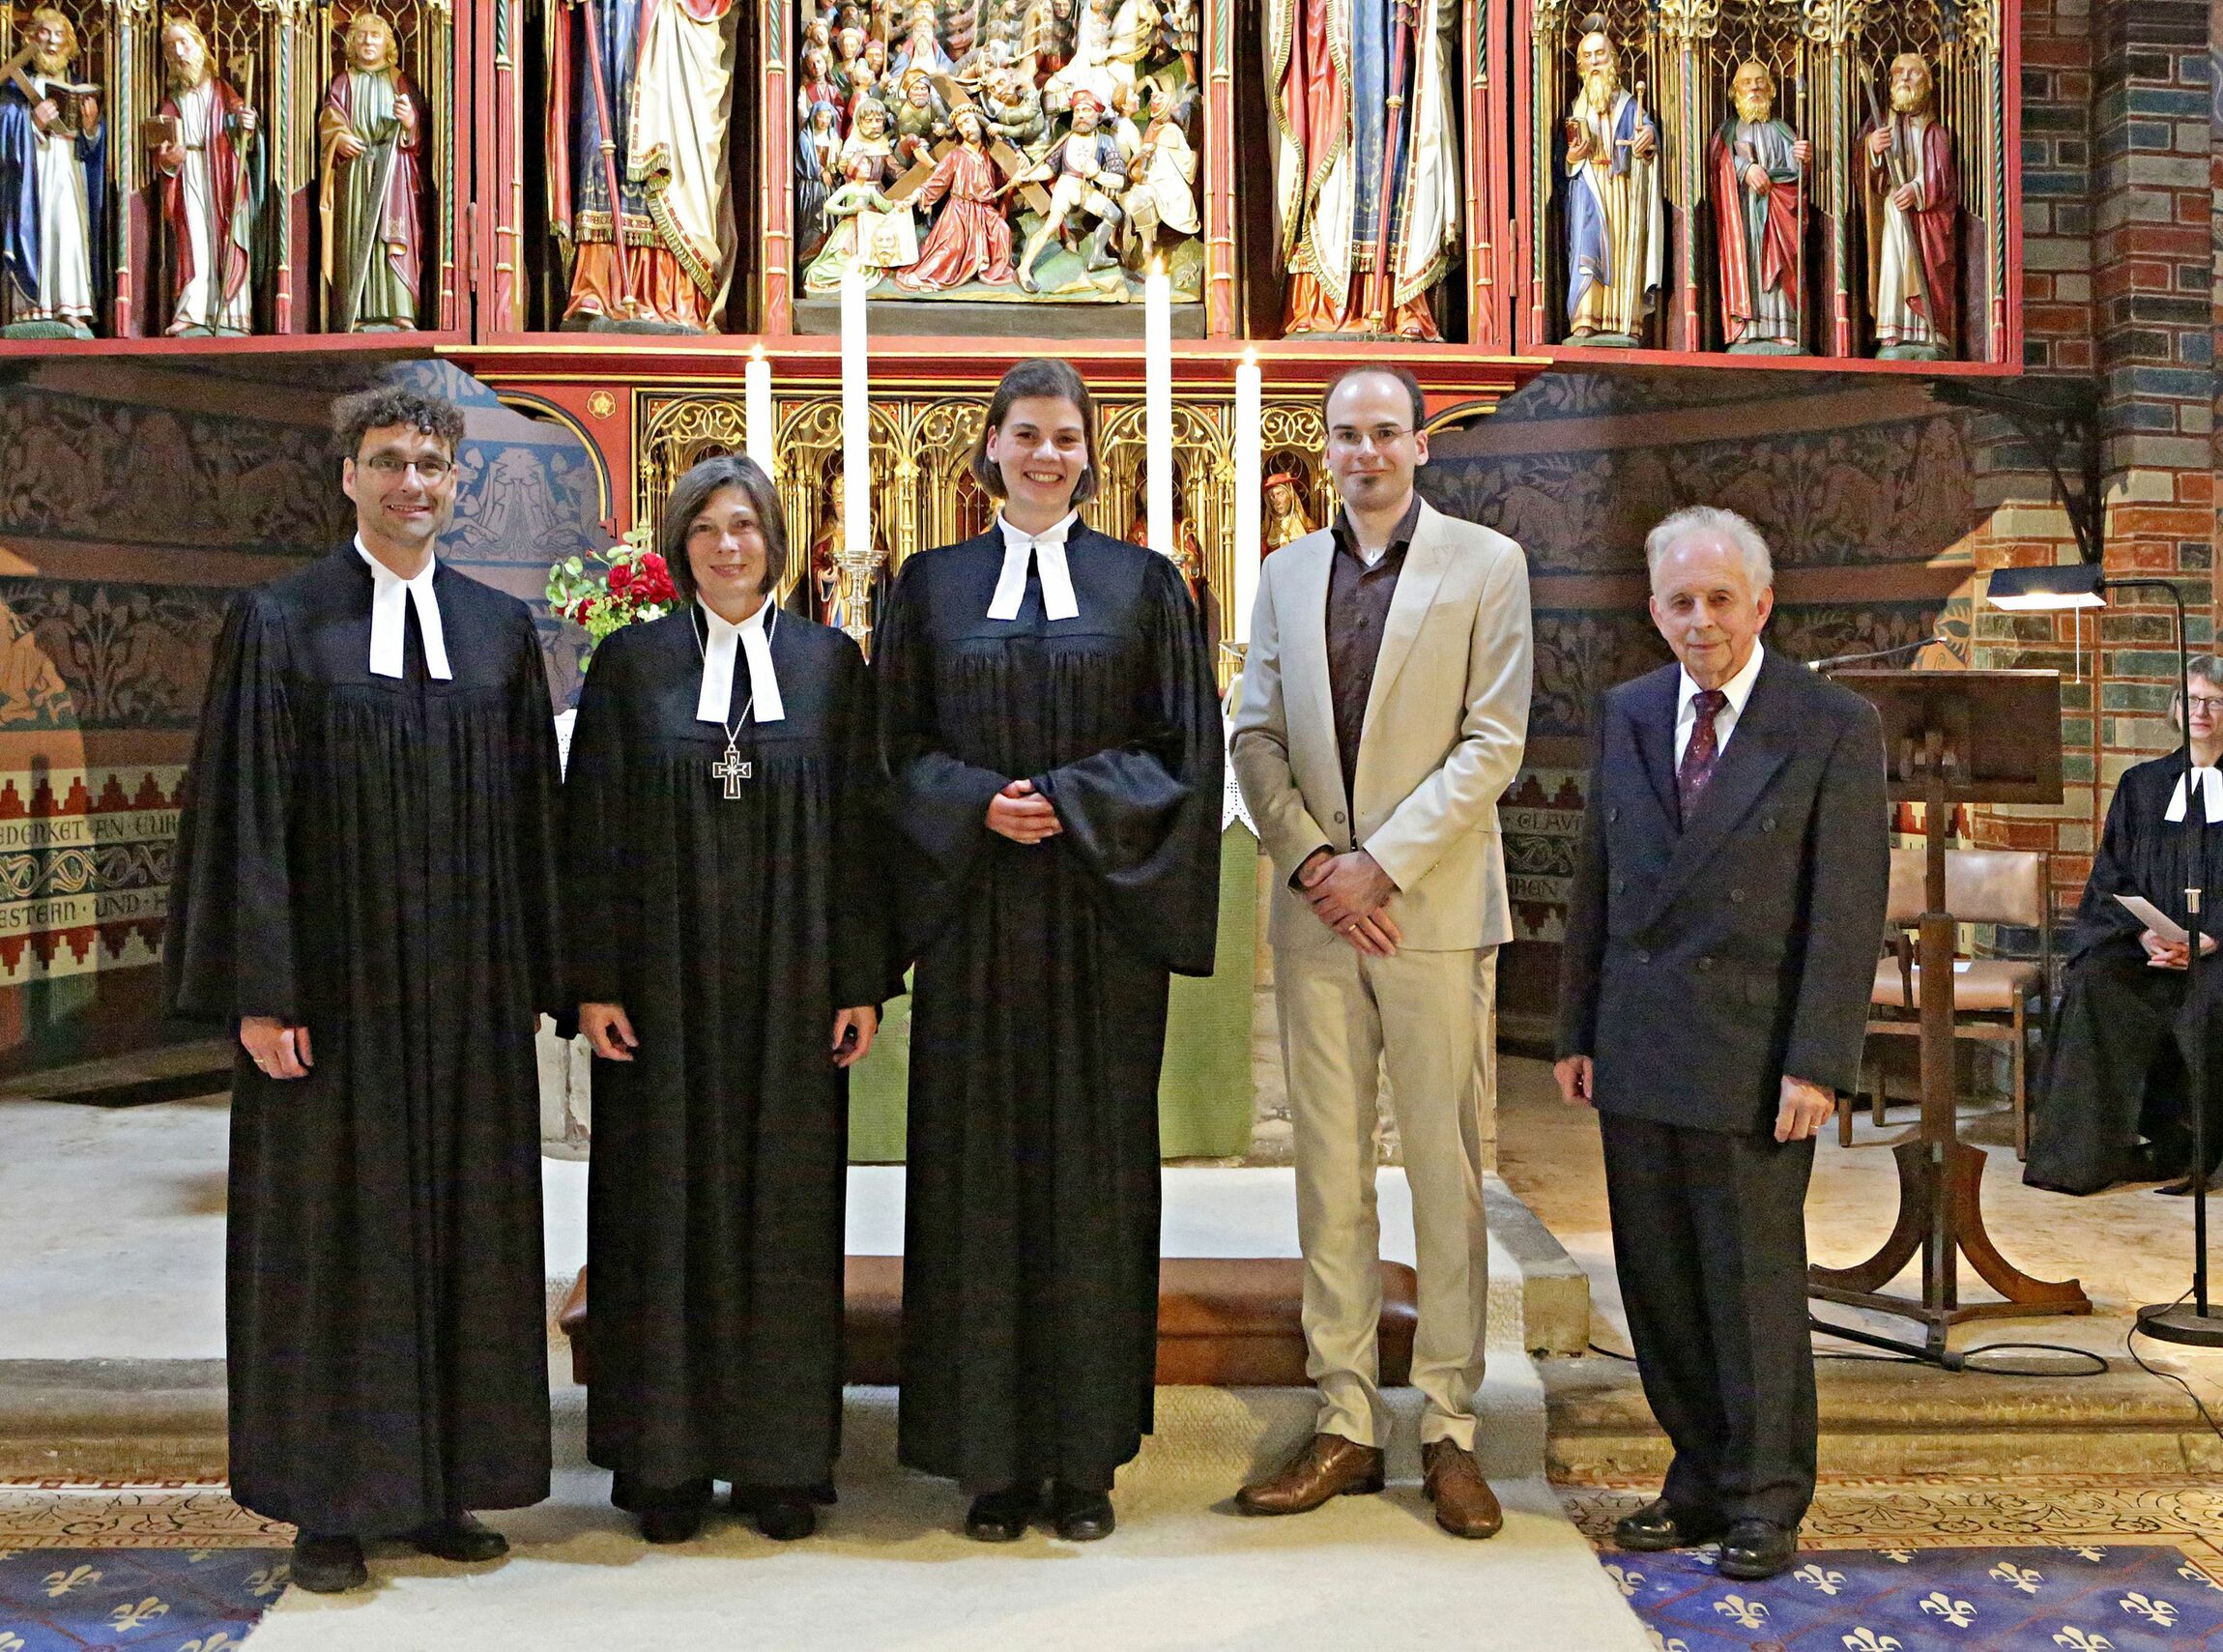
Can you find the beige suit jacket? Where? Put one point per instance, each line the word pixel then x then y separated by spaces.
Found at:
pixel 1446 723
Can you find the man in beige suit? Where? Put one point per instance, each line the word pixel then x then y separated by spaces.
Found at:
pixel 1385 704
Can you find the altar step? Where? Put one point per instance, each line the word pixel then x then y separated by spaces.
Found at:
pixel 1894 1421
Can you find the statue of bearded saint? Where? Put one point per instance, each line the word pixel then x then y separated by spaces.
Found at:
pixel 208 191
pixel 1364 137
pixel 372 135
pixel 53 155
pixel 1756 167
pixel 1616 226
pixel 1913 200
pixel 658 80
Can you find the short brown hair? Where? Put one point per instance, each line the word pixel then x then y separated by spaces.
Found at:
pixel 353 417
pixel 1042 376
pixel 694 491
pixel 1388 370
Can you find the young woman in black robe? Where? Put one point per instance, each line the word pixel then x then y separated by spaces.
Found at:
pixel 2117 1072
pixel 1049 719
pixel 730 965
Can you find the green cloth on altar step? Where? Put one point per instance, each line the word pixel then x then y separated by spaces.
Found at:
pixel 1205 1089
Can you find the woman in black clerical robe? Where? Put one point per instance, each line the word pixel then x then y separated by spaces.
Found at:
pixel 1048 721
pixel 719 810
pixel 2117 1072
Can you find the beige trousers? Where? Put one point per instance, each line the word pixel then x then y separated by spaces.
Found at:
pixel 1344 1018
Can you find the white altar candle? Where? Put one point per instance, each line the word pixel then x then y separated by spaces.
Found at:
pixel 855 422
pixel 1158 405
pixel 763 439
pixel 1250 414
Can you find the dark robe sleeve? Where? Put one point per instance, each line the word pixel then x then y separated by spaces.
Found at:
pixel 2115 871
pixel 230 951
pixel 865 970
pixel 1145 818
pixel 941 802
pixel 537 766
pixel 594 791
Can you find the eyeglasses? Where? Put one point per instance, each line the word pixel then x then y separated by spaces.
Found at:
pixel 2210 705
pixel 1349 441
pixel 386 468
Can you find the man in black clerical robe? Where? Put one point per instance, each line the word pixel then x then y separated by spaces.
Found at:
pixel 2113 1105
pixel 364 892
pixel 1030 1249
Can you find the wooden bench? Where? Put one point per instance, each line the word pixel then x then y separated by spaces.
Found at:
pixel 1223 1322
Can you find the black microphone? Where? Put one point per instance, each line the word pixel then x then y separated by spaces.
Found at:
pixel 1878 654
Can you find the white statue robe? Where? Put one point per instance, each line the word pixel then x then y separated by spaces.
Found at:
pixel 65 220
pixel 200 303
pixel 682 103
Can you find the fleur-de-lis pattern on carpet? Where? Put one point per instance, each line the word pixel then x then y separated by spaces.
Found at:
pixel 158 1600
pixel 2128 1597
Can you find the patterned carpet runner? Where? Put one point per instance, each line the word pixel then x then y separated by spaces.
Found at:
pixel 164 1600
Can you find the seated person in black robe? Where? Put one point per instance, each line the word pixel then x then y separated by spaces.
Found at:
pixel 1049 719
pixel 729 965
pixel 365 893
pixel 2113 1104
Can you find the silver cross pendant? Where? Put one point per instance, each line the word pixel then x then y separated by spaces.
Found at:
pixel 733 770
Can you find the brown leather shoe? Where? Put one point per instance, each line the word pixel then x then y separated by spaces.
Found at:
pixel 1329 1466
pixel 1464 1504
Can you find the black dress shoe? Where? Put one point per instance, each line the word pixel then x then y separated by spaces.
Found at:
pixel 2182 1188
pixel 1002 1517
pixel 672 1522
pixel 786 1516
pixel 1080 1516
pixel 1660 1524
pixel 1752 1550
pixel 327 1565
pixel 460 1537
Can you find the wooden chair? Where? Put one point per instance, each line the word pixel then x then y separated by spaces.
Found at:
pixel 1990 995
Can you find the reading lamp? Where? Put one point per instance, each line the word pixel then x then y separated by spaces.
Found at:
pixel 2083 585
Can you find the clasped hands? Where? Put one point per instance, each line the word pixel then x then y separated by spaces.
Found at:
pixel 1022 814
pixel 1804 1108
pixel 609 1030
pixel 2163 954
pixel 1349 894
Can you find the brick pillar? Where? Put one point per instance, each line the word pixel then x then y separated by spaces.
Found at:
pixel 2134 76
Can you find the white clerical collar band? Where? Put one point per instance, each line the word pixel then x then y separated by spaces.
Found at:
pixel 720 643
pixel 389 593
pixel 1047 550
pixel 2212 789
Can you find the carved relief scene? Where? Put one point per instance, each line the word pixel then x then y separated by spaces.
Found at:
pixel 1002 151
pixel 1766 176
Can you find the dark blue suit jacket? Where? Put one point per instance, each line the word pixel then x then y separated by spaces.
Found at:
pixel 1703 962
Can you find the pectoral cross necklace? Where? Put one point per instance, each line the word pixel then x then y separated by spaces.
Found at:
pixel 731 770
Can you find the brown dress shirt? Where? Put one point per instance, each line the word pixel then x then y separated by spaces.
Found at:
pixel 1358 612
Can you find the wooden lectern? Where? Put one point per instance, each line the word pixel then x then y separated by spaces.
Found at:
pixel 1952 737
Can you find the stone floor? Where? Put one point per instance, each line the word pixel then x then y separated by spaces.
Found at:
pixel 2130 1246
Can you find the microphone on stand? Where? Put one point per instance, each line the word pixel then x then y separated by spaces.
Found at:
pixel 1834 660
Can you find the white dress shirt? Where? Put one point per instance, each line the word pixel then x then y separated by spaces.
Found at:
pixel 390 596
pixel 720 643
pixel 1738 690
pixel 1046 551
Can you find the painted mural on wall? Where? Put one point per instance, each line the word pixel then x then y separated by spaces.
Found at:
pixel 1838 475
pixel 131 511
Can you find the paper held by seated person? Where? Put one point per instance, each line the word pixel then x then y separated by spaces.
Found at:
pixel 2155 918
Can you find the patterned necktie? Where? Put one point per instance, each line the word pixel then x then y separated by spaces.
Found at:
pixel 1697 765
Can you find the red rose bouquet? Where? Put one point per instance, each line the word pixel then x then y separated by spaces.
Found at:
pixel 632 585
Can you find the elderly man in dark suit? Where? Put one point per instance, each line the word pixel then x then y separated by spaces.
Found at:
pixel 1720 943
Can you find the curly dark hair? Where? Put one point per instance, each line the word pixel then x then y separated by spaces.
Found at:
pixel 383 406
